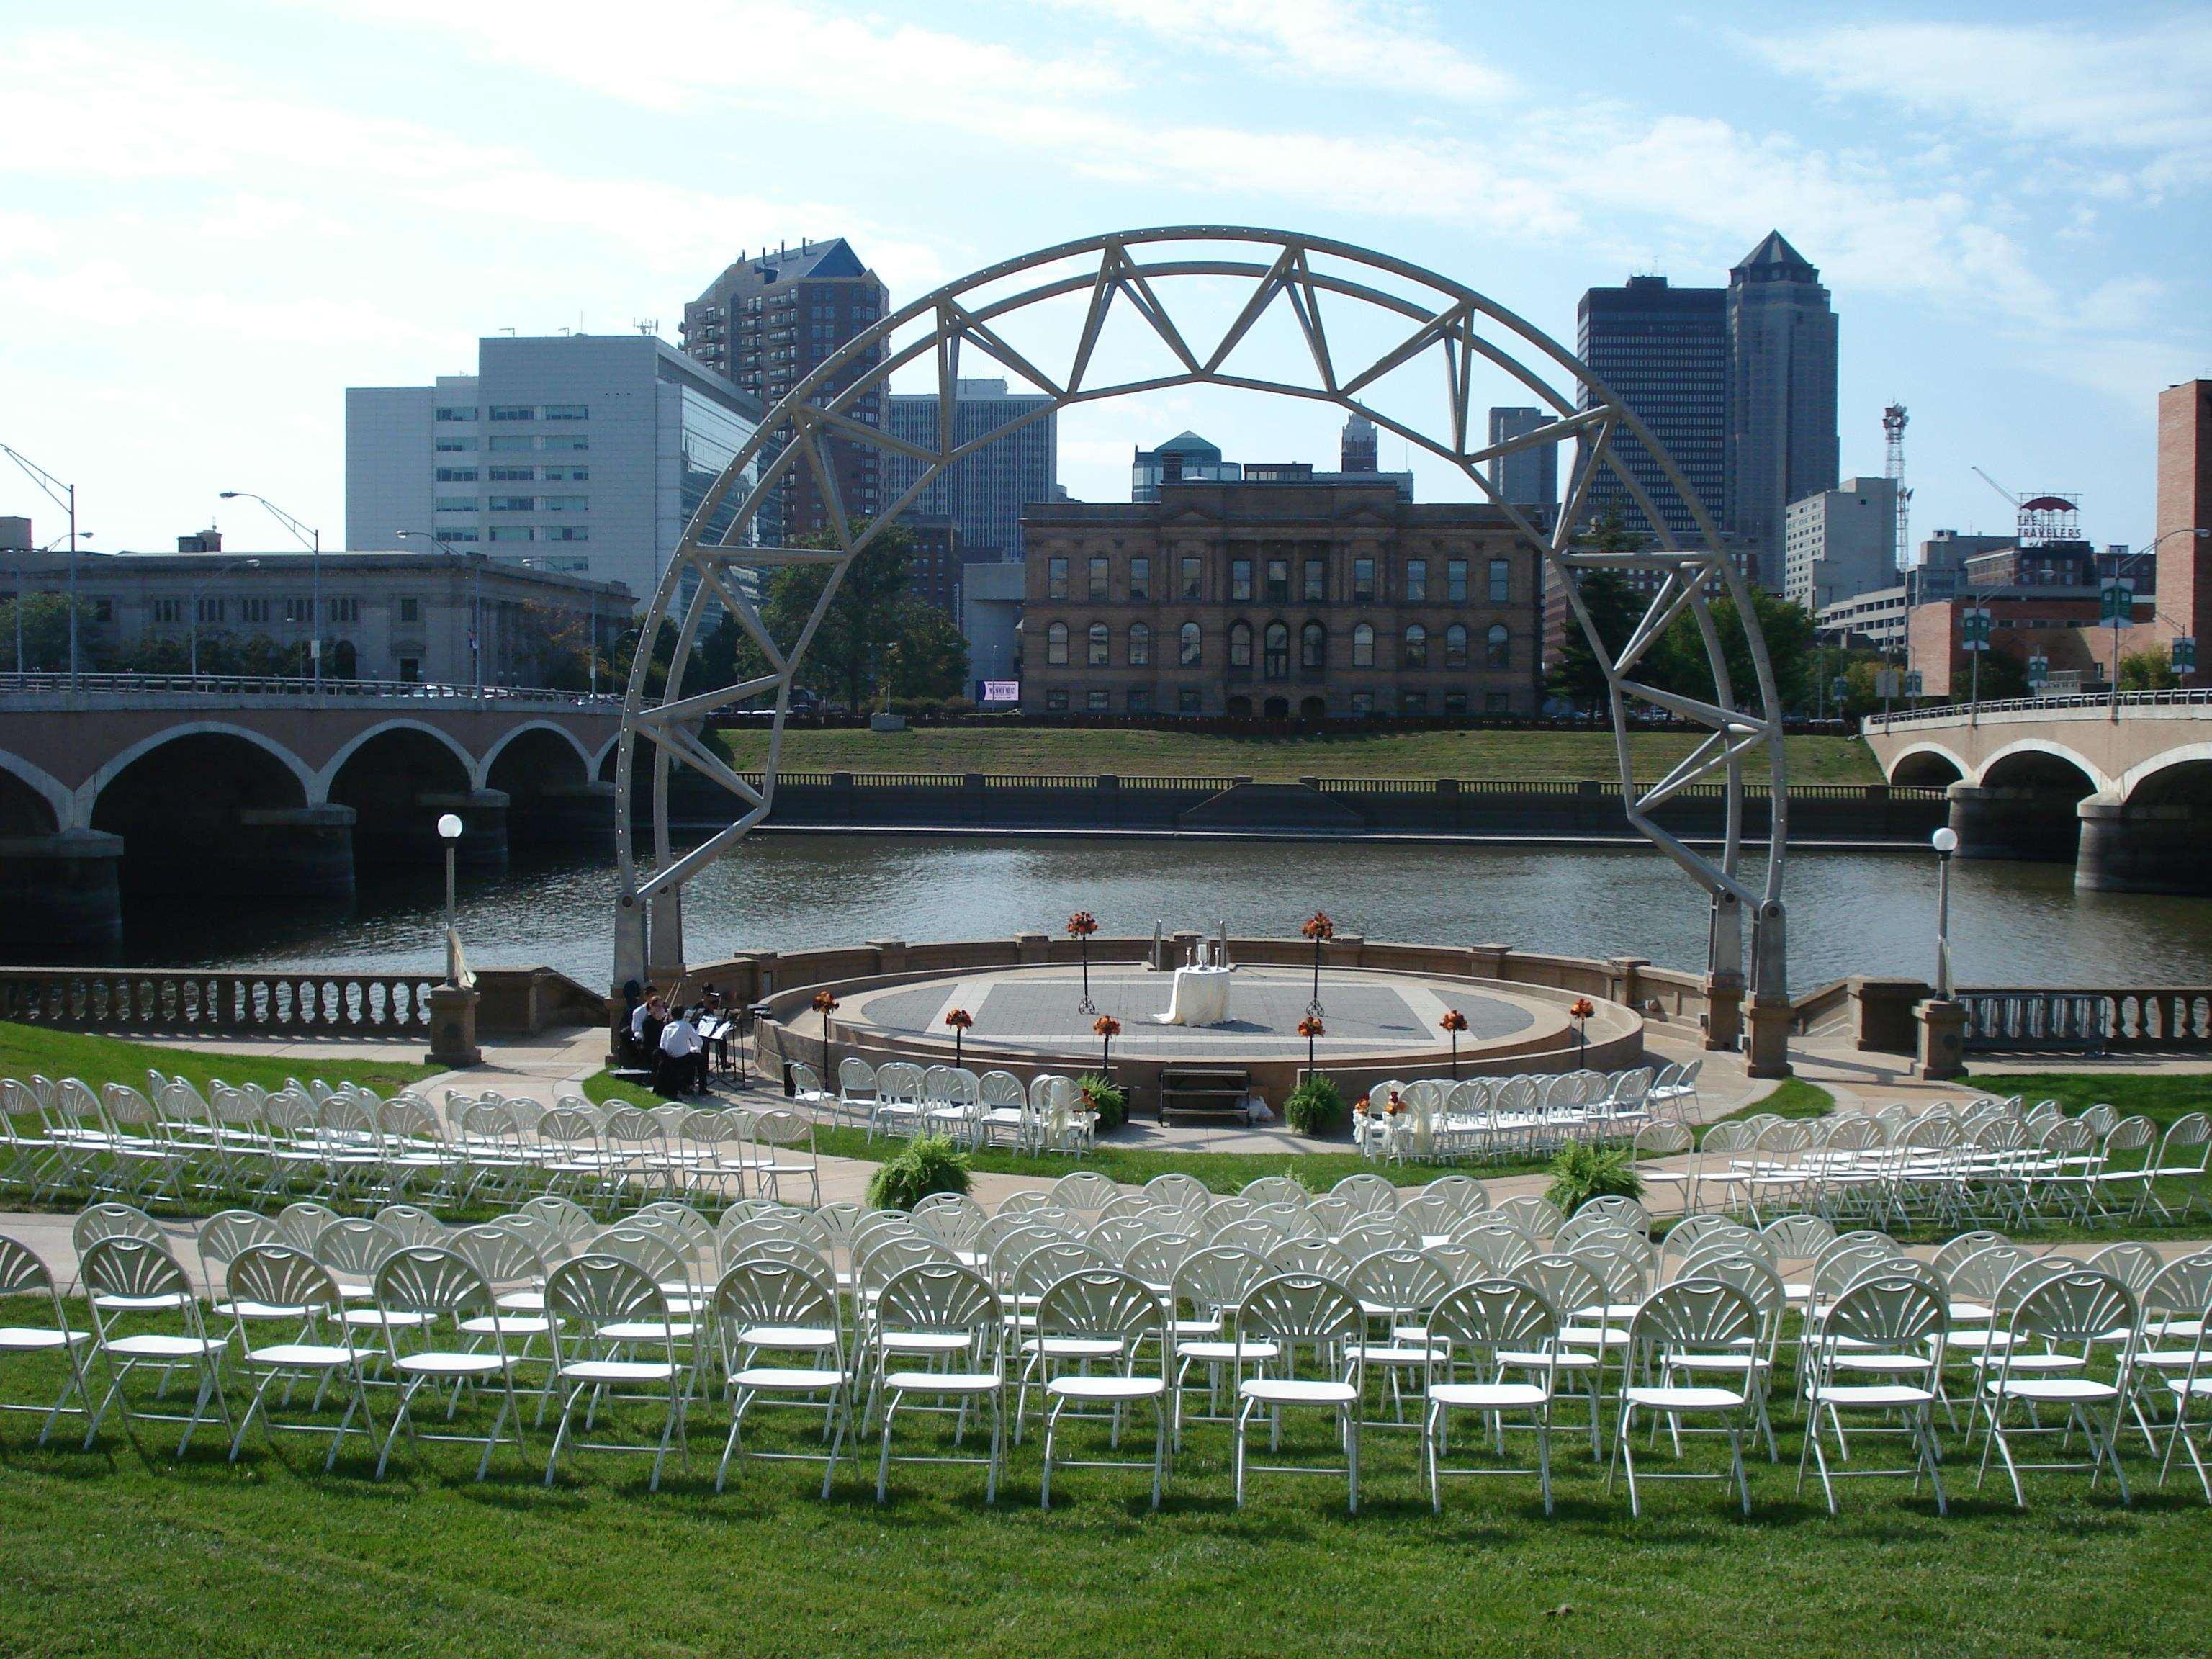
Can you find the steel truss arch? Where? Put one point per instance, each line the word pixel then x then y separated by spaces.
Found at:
pixel 1312 278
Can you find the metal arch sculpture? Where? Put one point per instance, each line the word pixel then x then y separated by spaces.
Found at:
pixel 1435 318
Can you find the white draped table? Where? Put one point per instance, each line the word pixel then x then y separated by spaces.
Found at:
pixel 1201 997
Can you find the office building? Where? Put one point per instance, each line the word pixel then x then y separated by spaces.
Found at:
pixel 398 616
pixel 1664 353
pixel 1529 477
pixel 1188 459
pixel 1841 543
pixel 767 322
pixel 991 622
pixel 1184 459
pixel 981 495
pixel 1313 599
pixel 581 454
pixel 1782 443
pixel 1360 449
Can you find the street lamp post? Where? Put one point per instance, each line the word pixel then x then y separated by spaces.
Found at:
pixel 1945 841
pixel 311 539
pixel 476 600
pixel 61 495
pixel 449 831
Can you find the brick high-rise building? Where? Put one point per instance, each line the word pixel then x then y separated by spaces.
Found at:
pixel 767 323
pixel 2184 505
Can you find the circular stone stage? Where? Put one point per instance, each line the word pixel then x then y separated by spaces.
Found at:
pixel 1380 1023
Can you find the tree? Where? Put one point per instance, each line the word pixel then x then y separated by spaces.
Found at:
pixel 929 657
pixel 1577 676
pixel 44 618
pixel 2147 671
pixel 849 656
pixel 552 647
pixel 1680 663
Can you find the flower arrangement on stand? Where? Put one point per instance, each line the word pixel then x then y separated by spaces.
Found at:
pixel 1320 929
pixel 1107 1027
pixel 1080 927
pixel 959 1019
pixel 825 1005
pixel 1580 1013
pixel 1310 1028
pixel 1454 1021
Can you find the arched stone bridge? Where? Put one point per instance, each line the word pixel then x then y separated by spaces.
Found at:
pixel 273 793
pixel 2121 789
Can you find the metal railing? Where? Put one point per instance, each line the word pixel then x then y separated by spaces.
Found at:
pixel 294 688
pixel 1565 788
pixel 2178 697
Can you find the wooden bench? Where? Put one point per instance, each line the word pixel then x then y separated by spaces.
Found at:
pixel 1189 1089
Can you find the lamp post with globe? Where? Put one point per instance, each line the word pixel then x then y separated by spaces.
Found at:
pixel 454 1005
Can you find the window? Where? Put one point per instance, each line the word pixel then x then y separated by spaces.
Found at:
pixel 209 610
pixel 1497 647
pixel 1056 579
pixel 1456 581
pixel 1140 646
pixel 1187 646
pixel 1056 702
pixel 410 670
pixel 1187 701
pixel 166 610
pixel 341 611
pixel 457 414
pixel 299 611
pixel 1140 578
pixel 1501 582
pixel 564 533
pixel 1496 703
pixel 512 412
pixel 1056 644
pixel 1240 579
pixel 567 411
pixel 410 609
pixel 566 504
pixel 1412 702
pixel 103 611
pixel 1098 702
pixel 1363 579
pixel 1317 588
pixel 1363 646
pixel 448 533
pixel 1456 646
pixel 1277 665
pixel 1313 647
pixel 513 532
pixel 1278 582
pixel 1101 583
pixel 253 611
pixel 1417 581
pixel 508 445
pixel 1416 654
pixel 456 446
pixel 512 503
pixel 1363 703
pixel 1455 702
pixel 1140 702
pixel 512 474
pixel 1240 644
pixel 576 441
pixel 462 474
pixel 1097 653
pixel 569 474
pixel 1190 577
pixel 456 503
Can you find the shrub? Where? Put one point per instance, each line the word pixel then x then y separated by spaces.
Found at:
pixel 1316 1106
pixel 1582 1172
pixel 1107 1099
pixel 929 1165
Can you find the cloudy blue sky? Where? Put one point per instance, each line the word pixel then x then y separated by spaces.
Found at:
pixel 215 217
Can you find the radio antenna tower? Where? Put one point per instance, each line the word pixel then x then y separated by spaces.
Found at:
pixel 1892 430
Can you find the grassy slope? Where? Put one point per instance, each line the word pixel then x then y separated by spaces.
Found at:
pixel 28 1050
pixel 1516 755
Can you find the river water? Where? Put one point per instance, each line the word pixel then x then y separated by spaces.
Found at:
pixel 1869 913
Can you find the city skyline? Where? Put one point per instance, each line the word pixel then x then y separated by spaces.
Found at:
pixel 2024 273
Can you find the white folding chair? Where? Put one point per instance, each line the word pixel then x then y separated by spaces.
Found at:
pixel 616 1334
pixel 1091 1326
pixel 955 1313
pixel 144 1314
pixel 1877 1349
pixel 28 1292
pixel 1490 1326
pixel 780 1338
pixel 1297 1312
pixel 270 1282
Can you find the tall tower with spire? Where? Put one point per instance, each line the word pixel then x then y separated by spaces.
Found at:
pixel 1782 442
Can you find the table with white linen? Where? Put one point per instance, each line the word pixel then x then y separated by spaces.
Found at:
pixel 1201 997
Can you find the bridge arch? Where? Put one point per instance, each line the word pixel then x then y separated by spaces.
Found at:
pixel 33 802
pixel 551 783
pixel 398 777
pixel 2176 771
pixel 2030 760
pixel 2024 804
pixel 202 805
pixel 1927 766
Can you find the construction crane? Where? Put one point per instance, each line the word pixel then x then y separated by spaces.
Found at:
pixel 1892 432
pixel 2011 499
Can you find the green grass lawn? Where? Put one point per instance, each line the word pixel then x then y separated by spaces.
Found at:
pixel 25 1050
pixel 2161 1097
pixel 1509 754
pixel 122 1552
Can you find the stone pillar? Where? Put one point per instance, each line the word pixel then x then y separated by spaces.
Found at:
pixel 1488 961
pixel 1942 1038
pixel 1347 951
pixel 482 813
pixel 298 852
pixel 1030 948
pixel 2140 850
pixel 566 814
pixel 453 1027
pixel 890 954
pixel 1771 1018
pixel 1625 986
pixel 2029 825
pixel 1724 1010
pixel 59 891
pixel 1884 1021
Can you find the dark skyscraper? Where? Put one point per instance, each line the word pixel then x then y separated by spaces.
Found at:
pixel 1782 443
pixel 1526 477
pixel 981 495
pixel 767 323
pixel 1664 352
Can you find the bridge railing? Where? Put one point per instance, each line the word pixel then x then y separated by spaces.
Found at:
pixel 293 688
pixel 2178 697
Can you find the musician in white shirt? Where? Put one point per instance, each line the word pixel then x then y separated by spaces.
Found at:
pixel 683 1057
